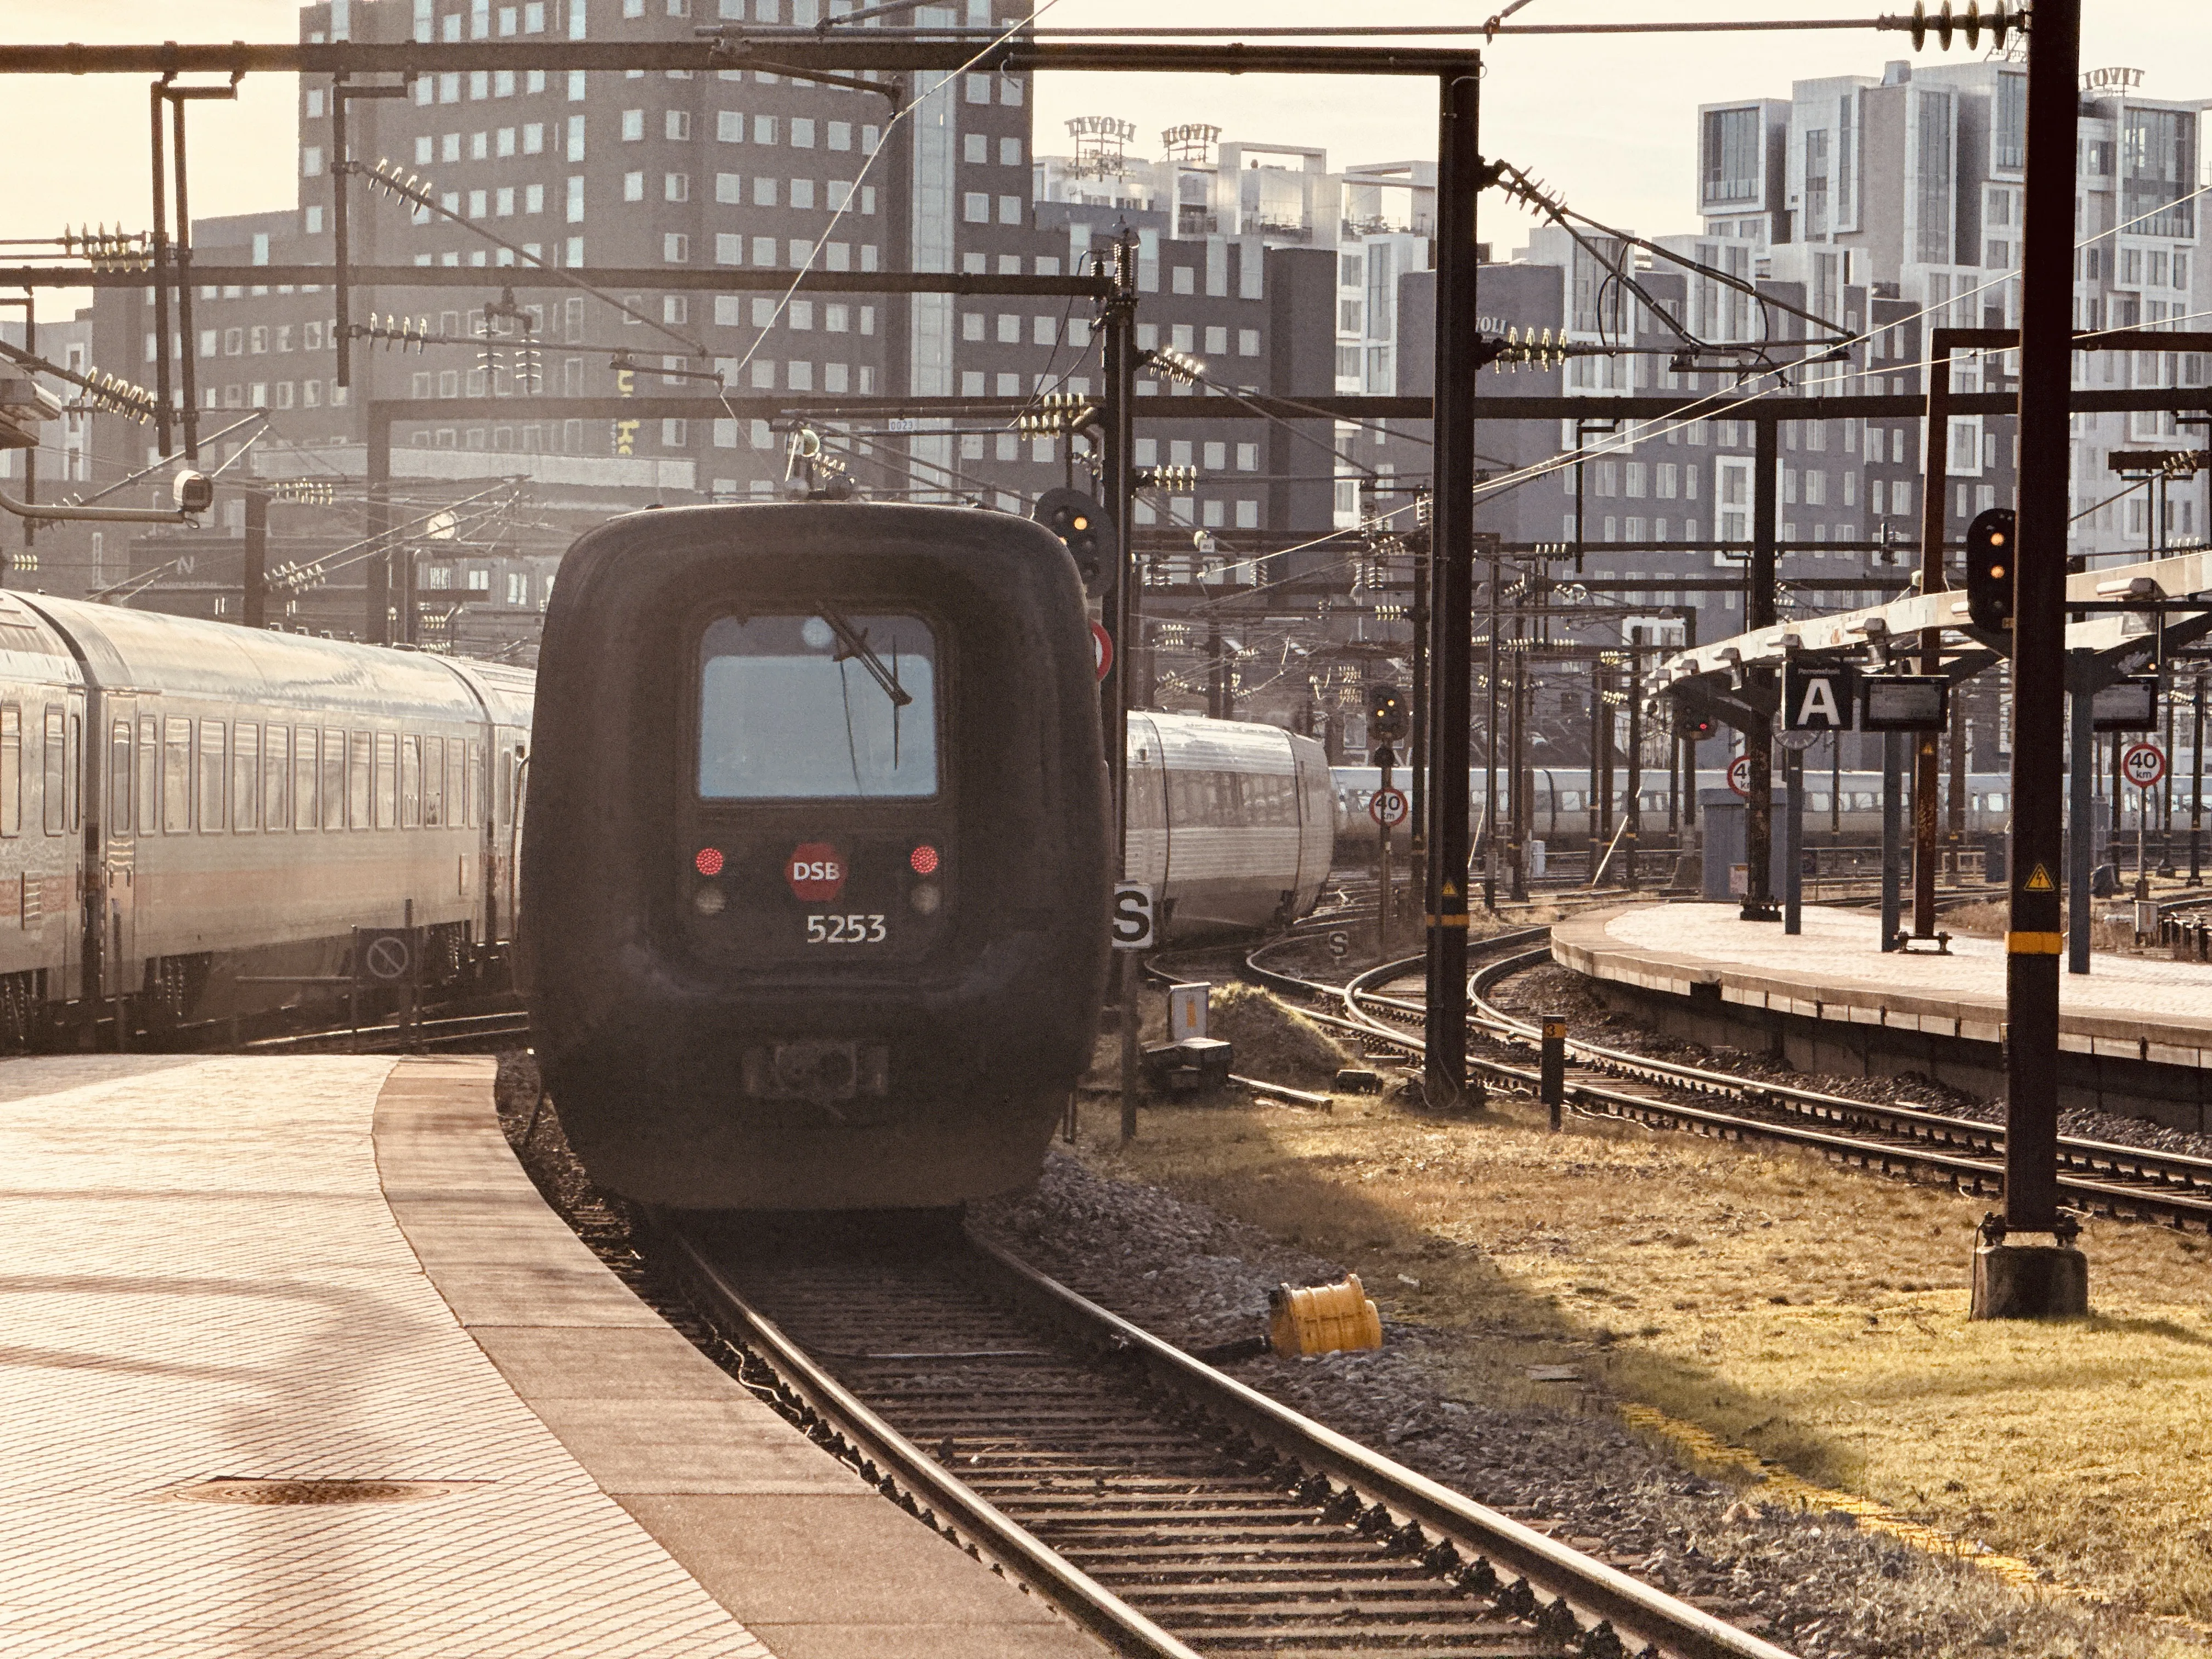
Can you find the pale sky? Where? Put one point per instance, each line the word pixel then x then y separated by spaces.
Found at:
pixel 1608 122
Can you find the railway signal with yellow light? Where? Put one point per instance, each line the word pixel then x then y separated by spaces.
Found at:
pixel 1387 718
pixel 1990 540
pixel 1075 516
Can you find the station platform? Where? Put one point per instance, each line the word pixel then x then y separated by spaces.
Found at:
pixel 296 1361
pixel 2134 1033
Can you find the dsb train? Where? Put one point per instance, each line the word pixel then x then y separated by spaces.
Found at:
pixel 194 816
pixel 1229 822
pixel 816 871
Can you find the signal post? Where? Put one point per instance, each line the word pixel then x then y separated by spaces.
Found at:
pixel 2014 1280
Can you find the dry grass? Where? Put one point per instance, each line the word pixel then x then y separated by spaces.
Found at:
pixel 1814 1314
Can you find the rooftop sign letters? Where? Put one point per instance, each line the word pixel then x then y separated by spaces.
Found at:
pixel 2111 80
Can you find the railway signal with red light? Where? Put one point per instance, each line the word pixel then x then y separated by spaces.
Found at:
pixel 924 860
pixel 709 862
pixel 1990 542
pixel 1698 727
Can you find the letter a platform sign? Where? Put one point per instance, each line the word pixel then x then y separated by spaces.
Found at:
pixel 1817 699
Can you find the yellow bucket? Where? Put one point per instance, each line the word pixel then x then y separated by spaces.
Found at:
pixel 1322 1318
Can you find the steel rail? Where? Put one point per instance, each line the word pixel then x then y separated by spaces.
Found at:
pixel 2172 1188
pixel 1592 1609
pixel 901 1468
pixel 1595 1591
pixel 2182 1183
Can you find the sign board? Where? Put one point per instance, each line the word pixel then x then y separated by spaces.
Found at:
pixel 1816 699
pixel 1102 650
pixel 1133 919
pixel 2144 765
pixel 1186 1007
pixel 1339 945
pixel 1903 702
pixel 1738 775
pixel 384 956
pixel 1387 807
pixel 2129 705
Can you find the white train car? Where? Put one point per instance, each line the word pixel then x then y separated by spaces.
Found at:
pixel 194 816
pixel 1232 821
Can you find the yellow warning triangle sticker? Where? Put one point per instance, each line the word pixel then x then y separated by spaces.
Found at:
pixel 2038 881
pixel 1450 891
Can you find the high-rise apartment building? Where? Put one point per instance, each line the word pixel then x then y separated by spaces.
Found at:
pixel 1910 183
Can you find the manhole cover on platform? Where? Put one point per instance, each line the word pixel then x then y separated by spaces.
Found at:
pixel 230 1489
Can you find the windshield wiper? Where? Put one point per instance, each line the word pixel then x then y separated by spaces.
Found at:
pixel 853 645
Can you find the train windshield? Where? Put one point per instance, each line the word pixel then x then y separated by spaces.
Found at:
pixel 833 705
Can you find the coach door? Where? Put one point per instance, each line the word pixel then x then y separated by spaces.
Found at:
pixel 119 847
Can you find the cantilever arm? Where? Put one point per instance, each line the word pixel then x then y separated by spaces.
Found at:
pixel 95 514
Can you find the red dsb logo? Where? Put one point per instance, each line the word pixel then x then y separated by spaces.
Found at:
pixel 816 870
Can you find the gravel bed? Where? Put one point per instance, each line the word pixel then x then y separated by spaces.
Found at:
pixel 1815 1583
pixel 1554 989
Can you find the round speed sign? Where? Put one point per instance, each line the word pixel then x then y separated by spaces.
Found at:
pixel 2144 765
pixel 1387 807
pixel 1739 775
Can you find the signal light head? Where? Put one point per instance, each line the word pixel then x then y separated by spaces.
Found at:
pixel 923 860
pixel 709 862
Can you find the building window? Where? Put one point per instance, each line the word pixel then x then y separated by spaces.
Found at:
pixel 674 250
pixel 633 125
pixel 1729 164
pixel 679 126
pixel 676 188
pixel 975 206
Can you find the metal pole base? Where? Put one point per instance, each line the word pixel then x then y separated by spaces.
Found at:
pixel 2030 1281
pixel 1760 910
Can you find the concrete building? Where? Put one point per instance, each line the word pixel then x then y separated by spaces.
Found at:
pixel 1910 183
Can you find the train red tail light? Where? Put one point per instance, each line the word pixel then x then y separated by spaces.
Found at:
pixel 709 862
pixel 924 860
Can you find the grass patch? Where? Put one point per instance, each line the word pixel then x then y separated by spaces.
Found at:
pixel 1816 1315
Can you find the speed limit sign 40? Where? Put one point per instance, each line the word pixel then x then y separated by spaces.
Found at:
pixel 1387 807
pixel 2144 765
pixel 1739 775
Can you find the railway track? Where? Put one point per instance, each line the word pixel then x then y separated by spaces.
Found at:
pixel 450 1031
pixel 1161 1504
pixel 2093 1177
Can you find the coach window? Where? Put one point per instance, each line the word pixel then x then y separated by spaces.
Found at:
pixel 119 780
pixel 334 779
pixel 245 778
pixel 838 707
pixel 150 775
pixel 433 782
pixel 306 764
pixel 73 772
pixel 276 777
pixel 177 776
pixel 411 781
pixel 472 782
pixel 457 786
pixel 360 779
pixel 56 795
pixel 387 779
pixel 11 770
pixel 211 779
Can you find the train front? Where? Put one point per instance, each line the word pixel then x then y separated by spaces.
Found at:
pixel 818 858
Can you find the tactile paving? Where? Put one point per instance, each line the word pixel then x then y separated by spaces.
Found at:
pixel 203 1280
